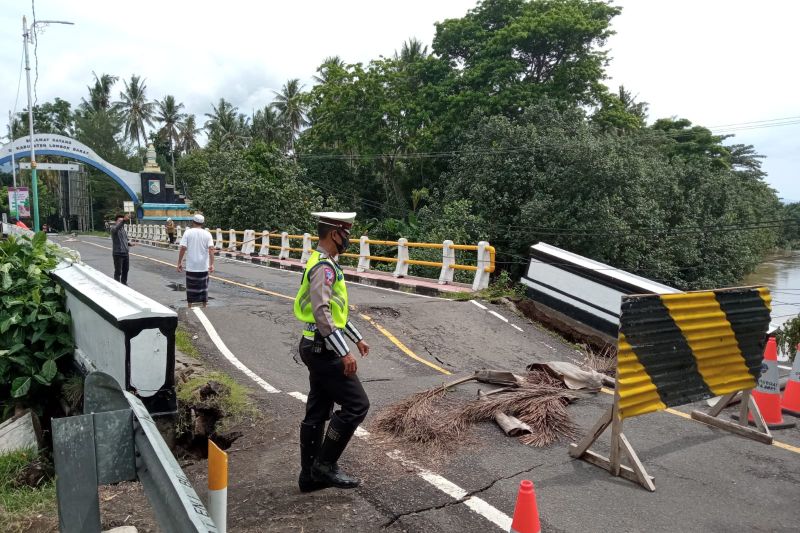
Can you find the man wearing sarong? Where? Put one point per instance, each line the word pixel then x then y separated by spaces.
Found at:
pixel 198 247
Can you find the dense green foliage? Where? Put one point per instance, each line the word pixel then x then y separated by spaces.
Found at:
pixel 34 326
pixel 503 130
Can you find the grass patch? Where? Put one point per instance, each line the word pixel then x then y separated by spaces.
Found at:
pixel 183 342
pixel 19 502
pixel 502 287
pixel 95 233
pixel 234 403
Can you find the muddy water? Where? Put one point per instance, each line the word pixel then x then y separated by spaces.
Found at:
pixel 781 273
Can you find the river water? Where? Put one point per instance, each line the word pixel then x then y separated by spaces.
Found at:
pixel 781 274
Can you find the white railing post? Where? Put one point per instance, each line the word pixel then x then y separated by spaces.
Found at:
pixel 363 254
pixel 231 240
pixel 218 244
pixel 162 233
pixel 149 232
pixel 264 251
pixel 248 244
pixel 284 246
pixel 481 280
pixel 306 248
pixel 448 260
pixel 178 232
pixel 401 270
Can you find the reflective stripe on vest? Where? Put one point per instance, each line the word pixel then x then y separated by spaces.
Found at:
pixel 338 302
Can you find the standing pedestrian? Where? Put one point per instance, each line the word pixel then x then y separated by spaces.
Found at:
pixel 198 247
pixel 170 227
pixel 322 305
pixel 119 249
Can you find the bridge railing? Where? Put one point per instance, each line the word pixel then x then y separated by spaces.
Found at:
pixel 287 246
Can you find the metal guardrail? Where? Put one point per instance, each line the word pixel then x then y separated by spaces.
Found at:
pixel 117 440
pixel 245 242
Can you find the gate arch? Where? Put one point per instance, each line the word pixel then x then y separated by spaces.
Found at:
pixel 60 145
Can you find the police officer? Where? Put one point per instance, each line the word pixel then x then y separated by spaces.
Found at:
pixel 322 305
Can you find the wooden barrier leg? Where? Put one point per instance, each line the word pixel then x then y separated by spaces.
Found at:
pixel 748 406
pixel 616 431
pixel 577 450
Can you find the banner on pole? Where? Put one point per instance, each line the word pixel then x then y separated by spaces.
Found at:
pixel 21 207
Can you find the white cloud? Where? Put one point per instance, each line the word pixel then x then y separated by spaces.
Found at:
pixel 712 62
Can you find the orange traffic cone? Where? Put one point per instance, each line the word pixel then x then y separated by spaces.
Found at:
pixel 768 393
pixel 526 515
pixel 790 403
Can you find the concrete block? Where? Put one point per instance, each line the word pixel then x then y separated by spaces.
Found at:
pixel 20 432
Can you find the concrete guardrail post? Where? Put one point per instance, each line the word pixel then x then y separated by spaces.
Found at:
pixel 307 249
pixel 401 270
pixel 218 244
pixel 481 280
pixel 363 254
pixel 284 246
pixel 178 232
pixel 248 243
pixel 264 250
pixel 231 240
pixel 162 233
pixel 448 259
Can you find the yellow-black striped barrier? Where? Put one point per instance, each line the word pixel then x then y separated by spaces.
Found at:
pixel 676 349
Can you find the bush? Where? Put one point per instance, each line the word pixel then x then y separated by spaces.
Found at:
pixel 34 325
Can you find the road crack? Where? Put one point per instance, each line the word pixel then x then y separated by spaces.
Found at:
pixel 467 496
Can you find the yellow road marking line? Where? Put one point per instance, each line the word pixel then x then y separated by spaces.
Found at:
pixel 687 416
pixel 251 287
pixel 406 350
pixel 403 348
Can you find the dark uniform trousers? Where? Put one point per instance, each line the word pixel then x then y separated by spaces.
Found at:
pixel 121 265
pixel 329 385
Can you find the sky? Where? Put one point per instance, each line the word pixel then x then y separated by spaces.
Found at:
pixel 714 62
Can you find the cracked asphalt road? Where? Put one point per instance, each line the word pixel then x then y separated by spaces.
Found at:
pixel 706 479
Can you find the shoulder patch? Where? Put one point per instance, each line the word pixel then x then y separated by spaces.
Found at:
pixel 329 275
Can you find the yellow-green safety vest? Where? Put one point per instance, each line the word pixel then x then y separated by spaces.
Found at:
pixel 340 309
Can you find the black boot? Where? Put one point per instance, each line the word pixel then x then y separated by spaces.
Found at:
pixel 325 469
pixel 310 443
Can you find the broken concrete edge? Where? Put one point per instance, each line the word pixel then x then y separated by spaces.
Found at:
pixel 349 274
pixel 20 432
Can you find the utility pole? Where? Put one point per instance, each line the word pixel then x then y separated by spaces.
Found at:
pixel 27 35
pixel 13 163
pixel 34 184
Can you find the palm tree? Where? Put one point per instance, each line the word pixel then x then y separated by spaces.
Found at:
pixel 135 109
pixel 100 93
pixel 188 132
pixel 268 127
pixel 226 126
pixel 291 108
pixel 169 115
pixel 331 64
pixel 412 50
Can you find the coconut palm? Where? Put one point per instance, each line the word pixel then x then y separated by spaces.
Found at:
pixel 291 108
pixel 99 94
pixel 412 50
pixel 169 115
pixel 226 126
pixel 187 134
pixel 330 65
pixel 136 111
pixel 268 127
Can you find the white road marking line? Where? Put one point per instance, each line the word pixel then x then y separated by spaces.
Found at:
pixel 228 354
pixel 478 304
pixel 516 327
pixel 785 367
pixel 477 505
pixel 498 315
pixel 299 395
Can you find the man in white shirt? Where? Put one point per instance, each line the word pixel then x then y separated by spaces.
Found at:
pixel 198 247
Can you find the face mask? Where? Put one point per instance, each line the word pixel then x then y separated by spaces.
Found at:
pixel 340 248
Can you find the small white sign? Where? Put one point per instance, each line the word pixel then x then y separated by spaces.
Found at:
pixel 71 167
pixel 127 206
